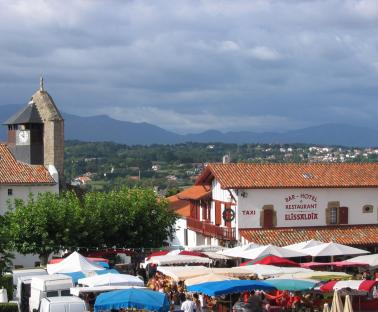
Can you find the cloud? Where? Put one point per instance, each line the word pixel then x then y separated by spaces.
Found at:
pixel 264 53
pixel 193 64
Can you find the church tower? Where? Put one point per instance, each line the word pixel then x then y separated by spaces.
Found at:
pixel 36 133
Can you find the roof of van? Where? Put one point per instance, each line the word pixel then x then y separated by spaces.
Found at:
pixel 64 299
pixel 52 277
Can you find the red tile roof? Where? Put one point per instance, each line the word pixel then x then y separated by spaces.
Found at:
pixel 314 175
pixel 14 172
pixel 195 192
pixel 180 206
pixel 181 201
pixel 347 235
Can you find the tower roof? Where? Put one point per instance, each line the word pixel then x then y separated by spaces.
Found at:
pixel 28 114
pixel 46 106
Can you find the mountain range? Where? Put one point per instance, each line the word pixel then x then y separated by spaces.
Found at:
pixel 104 128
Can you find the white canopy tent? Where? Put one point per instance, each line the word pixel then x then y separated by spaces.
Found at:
pixel 179 259
pixel 270 250
pixel 302 245
pixel 371 260
pixel 265 271
pixel 238 251
pixel 76 291
pixel 318 275
pixel 75 262
pixel 111 279
pixel 181 273
pixel 332 249
pixel 212 277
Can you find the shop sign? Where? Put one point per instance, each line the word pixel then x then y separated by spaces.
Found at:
pixel 301 207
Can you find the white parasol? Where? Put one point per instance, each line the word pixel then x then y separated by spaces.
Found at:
pixel 332 249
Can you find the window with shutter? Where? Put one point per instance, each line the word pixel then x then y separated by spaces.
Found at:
pixel 332 213
pixel 268 217
pixel 218 213
pixel 343 215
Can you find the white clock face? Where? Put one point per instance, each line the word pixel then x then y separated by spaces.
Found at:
pixel 23 136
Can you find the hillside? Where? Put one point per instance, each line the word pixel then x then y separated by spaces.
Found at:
pixel 104 128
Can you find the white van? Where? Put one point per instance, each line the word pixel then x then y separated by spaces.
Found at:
pixel 47 286
pixel 62 304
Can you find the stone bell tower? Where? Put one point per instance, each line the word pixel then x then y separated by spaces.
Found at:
pixel 36 133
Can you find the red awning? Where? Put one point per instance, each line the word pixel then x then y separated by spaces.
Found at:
pixel 352 284
pixel 272 260
pixel 57 260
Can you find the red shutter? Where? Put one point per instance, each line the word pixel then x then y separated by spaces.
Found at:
pixel 192 210
pixel 343 215
pixel 218 213
pixel 268 218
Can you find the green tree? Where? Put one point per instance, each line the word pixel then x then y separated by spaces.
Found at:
pixel 129 217
pixel 44 224
pixel 5 256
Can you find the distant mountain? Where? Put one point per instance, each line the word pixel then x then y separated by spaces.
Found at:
pixel 104 128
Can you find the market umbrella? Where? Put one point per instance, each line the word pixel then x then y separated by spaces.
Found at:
pixel 326 308
pixel 360 285
pixel 238 251
pixel 110 279
pixel 332 249
pixel 229 287
pixel 317 275
pixel 313 264
pixel 302 245
pixel 135 298
pixel 208 278
pixel 371 260
pixel 292 285
pixel 272 260
pixel 348 304
pixel 337 304
pixel 157 253
pixel 268 250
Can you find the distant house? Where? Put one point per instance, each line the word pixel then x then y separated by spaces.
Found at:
pixel 280 204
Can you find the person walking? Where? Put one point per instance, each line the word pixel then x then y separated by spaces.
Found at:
pixel 188 305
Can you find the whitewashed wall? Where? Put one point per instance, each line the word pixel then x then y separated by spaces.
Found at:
pixel 287 201
pixel 22 192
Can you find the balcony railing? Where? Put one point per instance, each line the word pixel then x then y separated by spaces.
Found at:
pixel 209 229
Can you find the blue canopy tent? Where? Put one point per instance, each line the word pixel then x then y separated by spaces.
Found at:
pixel 100 272
pixel 229 287
pixel 105 265
pixel 136 298
pixel 75 276
pixel 292 284
pixel 78 275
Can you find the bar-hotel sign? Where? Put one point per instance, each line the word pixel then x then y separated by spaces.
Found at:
pixel 301 207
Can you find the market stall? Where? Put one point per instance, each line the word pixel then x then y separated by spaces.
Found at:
pixel 133 298
pixel 111 279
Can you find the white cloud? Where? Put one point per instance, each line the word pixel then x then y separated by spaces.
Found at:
pixel 264 53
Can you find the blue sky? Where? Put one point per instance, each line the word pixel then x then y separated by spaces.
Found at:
pixel 189 66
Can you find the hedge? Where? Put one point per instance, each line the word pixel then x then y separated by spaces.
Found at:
pixel 6 281
pixel 8 307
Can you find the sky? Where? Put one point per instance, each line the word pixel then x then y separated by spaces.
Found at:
pixel 189 66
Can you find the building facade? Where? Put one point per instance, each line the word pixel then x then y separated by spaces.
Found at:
pixel 284 204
